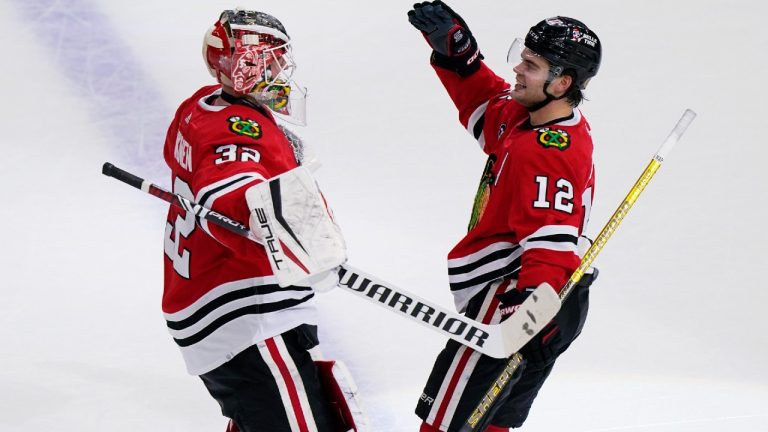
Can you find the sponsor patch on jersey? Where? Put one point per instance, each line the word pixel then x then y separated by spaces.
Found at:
pixel 245 127
pixel 556 138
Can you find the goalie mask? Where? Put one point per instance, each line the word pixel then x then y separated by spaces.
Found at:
pixel 250 53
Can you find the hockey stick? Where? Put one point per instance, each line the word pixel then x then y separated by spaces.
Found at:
pixel 477 420
pixel 498 340
pixel 110 170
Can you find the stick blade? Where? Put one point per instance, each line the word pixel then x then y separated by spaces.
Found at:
pixel 534 313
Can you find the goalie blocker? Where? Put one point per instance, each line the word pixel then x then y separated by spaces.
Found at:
pixel 291 219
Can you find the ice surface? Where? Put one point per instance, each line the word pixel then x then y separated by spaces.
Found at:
pixel 666 348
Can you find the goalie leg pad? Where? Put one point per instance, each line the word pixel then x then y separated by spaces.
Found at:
pixel 341 392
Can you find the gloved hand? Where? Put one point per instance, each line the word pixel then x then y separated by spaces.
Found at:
pixel 454 46
pixel 555 337
pixel 511 301
pixel 540 348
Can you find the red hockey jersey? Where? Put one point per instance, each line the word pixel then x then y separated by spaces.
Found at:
pixel 535 194
pixel 220 295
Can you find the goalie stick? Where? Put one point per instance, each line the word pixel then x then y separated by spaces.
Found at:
pixel 497 340
pixel 479 418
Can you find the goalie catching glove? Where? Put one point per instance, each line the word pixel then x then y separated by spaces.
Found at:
pixel 291 219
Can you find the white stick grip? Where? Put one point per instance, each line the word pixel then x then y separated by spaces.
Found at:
pixel 675 135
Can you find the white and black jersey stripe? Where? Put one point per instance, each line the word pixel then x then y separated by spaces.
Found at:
pixel 207 195
pixel 476 123
pixel 469 274
pixel 561 238
pixel 230 317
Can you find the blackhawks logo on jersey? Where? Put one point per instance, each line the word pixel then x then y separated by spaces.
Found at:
pixel 483 193
pixel 246 127
pixel 556 138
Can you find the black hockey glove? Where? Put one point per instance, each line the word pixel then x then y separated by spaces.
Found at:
pixel 453 45
pixel 556 336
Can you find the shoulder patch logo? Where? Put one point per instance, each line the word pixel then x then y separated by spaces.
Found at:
pixel 246 127
pixel 502 128
pixel 556 138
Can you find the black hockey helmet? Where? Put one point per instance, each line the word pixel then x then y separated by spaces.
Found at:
pixel 568 45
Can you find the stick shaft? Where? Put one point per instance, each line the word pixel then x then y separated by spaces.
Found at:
pixel 175 199
pixel 629 201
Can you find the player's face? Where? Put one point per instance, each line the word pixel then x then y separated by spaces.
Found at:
pixel 531 74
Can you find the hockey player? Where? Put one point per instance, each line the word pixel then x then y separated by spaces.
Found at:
pixel 249 339
pixel 531 207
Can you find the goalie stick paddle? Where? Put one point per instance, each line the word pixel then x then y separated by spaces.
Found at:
pixel 490 339
pixel 497 340
pixel 480 417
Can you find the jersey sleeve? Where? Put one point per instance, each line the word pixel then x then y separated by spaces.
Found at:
pixel 482 104
pixel 547 214
pixel 171 134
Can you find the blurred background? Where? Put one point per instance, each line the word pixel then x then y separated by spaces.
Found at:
pixel 676 339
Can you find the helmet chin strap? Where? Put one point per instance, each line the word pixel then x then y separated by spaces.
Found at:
pixel 547 99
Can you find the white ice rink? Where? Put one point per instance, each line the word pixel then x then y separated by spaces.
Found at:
pixel 676 340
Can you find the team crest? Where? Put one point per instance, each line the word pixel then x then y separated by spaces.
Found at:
pixel 556 138
pixel 245 127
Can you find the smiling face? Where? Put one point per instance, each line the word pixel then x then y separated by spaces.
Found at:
pixel 531 76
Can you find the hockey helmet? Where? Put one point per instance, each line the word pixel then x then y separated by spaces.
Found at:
pixel 568 45
pixel 250 53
